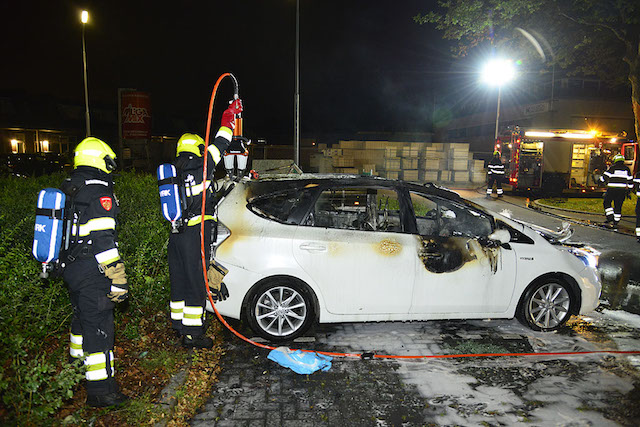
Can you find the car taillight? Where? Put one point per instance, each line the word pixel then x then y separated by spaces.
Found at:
pixel 223 234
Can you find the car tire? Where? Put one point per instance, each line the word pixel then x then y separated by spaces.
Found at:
pixel 280 309
pixel 546 306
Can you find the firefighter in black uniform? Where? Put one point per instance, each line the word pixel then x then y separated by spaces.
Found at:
pixel 619 183
pixel 188 292
pixel 495 173
pixel 94 271
pixel 636 184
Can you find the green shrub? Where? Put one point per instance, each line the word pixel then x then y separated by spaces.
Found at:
pixel 35 315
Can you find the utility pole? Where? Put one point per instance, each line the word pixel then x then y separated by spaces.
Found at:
pixel 85 18
pixel 296 107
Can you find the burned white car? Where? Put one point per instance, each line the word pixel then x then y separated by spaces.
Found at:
pixel 358 249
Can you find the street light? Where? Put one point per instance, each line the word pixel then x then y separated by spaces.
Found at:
pixel 296 101
pixel 84 17
pixel 498 72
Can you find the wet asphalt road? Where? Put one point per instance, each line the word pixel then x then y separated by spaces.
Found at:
pixel 579 390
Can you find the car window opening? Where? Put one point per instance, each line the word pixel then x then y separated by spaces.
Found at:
pixel 279 206
pixel 363 209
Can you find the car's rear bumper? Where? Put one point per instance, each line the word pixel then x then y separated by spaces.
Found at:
pixel 238 282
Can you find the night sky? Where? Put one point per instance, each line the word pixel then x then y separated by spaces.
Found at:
pixel 365 65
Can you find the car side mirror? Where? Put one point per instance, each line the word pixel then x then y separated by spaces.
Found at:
pixel 502 236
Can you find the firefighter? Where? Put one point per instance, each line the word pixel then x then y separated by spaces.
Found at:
pixel 636 184
pixel 619 182
pixel 94 271
pixel 188 292
pixel 495 173
pixel 236 152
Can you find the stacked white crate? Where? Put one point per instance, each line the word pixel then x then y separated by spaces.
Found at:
pixel 392 163
pixel 411 154
pixel 458 161
pixel 433 162
pixel 343 160
pixel 478 173
pixel 321 163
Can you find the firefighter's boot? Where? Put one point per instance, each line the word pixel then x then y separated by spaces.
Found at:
pixel 197 341
pixel 104 400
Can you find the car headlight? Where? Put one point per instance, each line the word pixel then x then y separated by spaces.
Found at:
pixel 587 255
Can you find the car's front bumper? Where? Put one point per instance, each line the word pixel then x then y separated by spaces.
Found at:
pixel 591 288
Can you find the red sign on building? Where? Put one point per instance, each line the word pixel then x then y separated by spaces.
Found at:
pixel 136 115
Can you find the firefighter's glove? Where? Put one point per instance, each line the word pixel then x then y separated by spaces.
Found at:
pixel 229 115
pixel 215 275
pixel 117 294
pixel 220 294
pixel 116 273
pixel 236 106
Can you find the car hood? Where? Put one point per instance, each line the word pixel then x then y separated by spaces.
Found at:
pixel 560 235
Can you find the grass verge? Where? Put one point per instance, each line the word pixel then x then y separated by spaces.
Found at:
pixel 589 205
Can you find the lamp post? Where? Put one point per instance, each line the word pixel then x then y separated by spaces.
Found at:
pixel 498 72
pixel 297 94
pixel 84 17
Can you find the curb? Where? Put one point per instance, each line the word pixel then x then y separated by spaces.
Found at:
pixel 542 205
pixel 168 400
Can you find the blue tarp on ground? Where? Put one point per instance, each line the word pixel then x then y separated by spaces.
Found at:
pixel 300 362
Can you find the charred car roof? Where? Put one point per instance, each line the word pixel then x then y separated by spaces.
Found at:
pixel 278 183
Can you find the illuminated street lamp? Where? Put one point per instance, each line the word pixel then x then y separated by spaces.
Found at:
pixel 84 17
pixel 296 107
pixel 498 72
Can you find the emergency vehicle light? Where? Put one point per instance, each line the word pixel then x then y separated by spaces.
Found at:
pixel 539 134
pixel 577 135
pixel 561 135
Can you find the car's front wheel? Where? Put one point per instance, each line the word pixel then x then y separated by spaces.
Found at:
pixel 280 309
pixel 546 306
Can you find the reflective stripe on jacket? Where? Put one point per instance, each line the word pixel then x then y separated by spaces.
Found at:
pixel 495 167
pixel 618 176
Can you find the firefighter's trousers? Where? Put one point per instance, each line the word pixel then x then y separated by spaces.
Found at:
pixel 92 328
pixel 188 292
pixel 638 218
pixel 615 196
pixel 497 179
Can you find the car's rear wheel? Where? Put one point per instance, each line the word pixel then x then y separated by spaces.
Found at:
pixel 546 306
pixel 280 309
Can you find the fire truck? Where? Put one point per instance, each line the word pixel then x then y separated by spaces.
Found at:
pixel 560 161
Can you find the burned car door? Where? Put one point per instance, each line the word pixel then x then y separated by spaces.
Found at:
pixel 353 244
pixel 459 269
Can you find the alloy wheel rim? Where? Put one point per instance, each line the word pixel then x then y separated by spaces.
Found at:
pixel 549 305
pixel 280 311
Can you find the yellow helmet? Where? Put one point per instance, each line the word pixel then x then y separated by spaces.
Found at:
pixel 95 153
pixel 190 143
